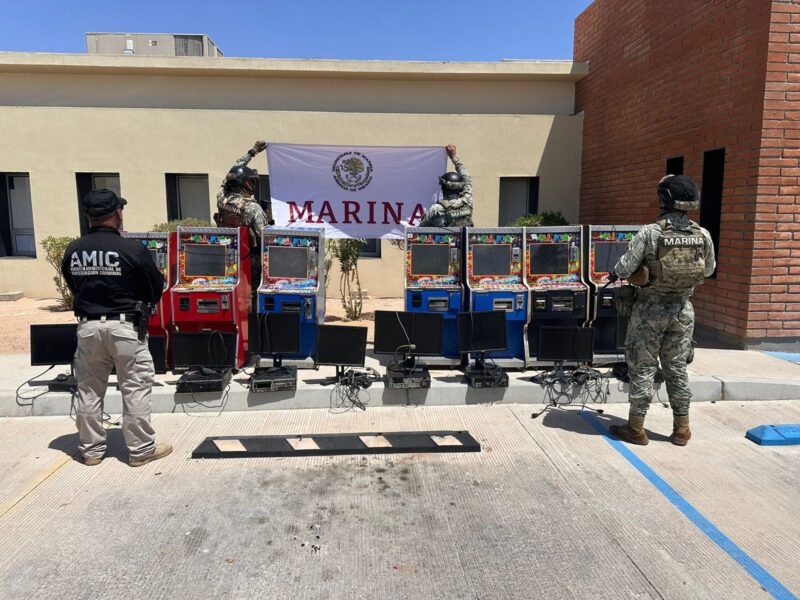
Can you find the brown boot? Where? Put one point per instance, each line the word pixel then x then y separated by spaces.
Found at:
pixel 160 451
pixel 632 432
pixel 680 431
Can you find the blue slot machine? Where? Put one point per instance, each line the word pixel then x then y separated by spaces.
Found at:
pixel 559 295
pixel 495 281
pixel 607 243
pixel 433 282
pixel 293 280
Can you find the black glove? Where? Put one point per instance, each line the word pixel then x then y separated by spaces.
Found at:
pixel 612 277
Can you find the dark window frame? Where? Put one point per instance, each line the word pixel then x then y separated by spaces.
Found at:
pixel 84 183
pixel 367 251
pixel 711 195
pixel 532 193
pixel 675 165
pixel 173 194
pixel 6 230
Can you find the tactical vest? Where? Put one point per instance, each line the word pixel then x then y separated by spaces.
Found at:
pixel 680 260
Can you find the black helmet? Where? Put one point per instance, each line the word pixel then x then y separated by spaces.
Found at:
pixel 678 192
pixel 451 182
pixel 239 175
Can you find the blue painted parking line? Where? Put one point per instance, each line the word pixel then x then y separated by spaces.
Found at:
pixel 775 588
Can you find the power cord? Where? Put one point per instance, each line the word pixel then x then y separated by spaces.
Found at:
pixel 19 397
pixel 347 392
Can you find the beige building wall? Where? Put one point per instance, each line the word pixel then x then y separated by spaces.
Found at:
pixel 52 143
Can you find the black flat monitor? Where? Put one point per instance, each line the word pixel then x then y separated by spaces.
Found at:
pixel 565 343
pixel 606 255
pixel 213 349
pixel 289 262
pixel 341 345
pixel 491 259
pixel 549 259
pixel 204 260
pixel 430 259
pixel 482 331
pixel 397 331
pixel 279 333
pixel 53 344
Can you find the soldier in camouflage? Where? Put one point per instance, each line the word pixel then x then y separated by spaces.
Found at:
pixel 455 208
pixel 668 259
pixel 235 201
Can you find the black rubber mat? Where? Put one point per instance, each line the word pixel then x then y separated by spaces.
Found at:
pixel 329 444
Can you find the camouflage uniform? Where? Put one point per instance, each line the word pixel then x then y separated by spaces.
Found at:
pixel 662 323
pixel 236 210
pixel 456 212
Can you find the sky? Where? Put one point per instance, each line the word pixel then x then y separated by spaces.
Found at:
pixel 469 30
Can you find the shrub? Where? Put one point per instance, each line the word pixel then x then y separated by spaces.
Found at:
pixel 545 219
pixel 173 225
pixel 54 248
pixel 347 252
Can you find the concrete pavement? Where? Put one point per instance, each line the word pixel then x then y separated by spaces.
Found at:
pixel 548 509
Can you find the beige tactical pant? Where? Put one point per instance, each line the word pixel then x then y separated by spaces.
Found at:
pixel 101 346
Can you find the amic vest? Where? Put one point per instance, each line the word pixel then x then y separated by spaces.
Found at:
pixel 679 265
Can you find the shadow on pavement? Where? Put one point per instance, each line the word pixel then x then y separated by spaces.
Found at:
pixel 68 444
pixel 571 420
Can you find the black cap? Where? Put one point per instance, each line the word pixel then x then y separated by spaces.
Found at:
pixel 101 202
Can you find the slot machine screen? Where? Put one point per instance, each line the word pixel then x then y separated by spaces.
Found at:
pixel 430 259
pixel 204 260
pixel 288 262
pixel 482 331
pixel 491 259
pixel 549 258
pixel 606 255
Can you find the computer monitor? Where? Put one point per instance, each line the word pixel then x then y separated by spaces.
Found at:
pixel 288 262
pixel 213 349
pixel 430 259
pixel 491 259
pixel 548 259
pixel 565 343
pixel 279 333
pixel 482 331
pixel 204 260
pixel 397 331
pixel 606 255
pixel 341 345
pixel 53 344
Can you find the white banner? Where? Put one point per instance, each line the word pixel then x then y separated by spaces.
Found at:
pixel 354 192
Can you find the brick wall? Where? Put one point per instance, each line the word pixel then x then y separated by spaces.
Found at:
pixel 775 291
pixel 678 78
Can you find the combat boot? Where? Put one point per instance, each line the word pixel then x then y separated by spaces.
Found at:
pixel 680 431
pixel 632 432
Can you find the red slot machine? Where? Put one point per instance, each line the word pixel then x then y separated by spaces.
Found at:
pixel 210 300
pixel 162 249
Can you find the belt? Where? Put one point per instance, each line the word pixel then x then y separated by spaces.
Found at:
pixel 121 317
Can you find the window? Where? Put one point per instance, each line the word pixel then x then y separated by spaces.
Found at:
pixel 372 249
pixel 263 195
pixel 187 197
pixel 674 166
pixel 711 194
pixel 86 182
pixel 188 45
pixel 16 223
pixel 519 197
